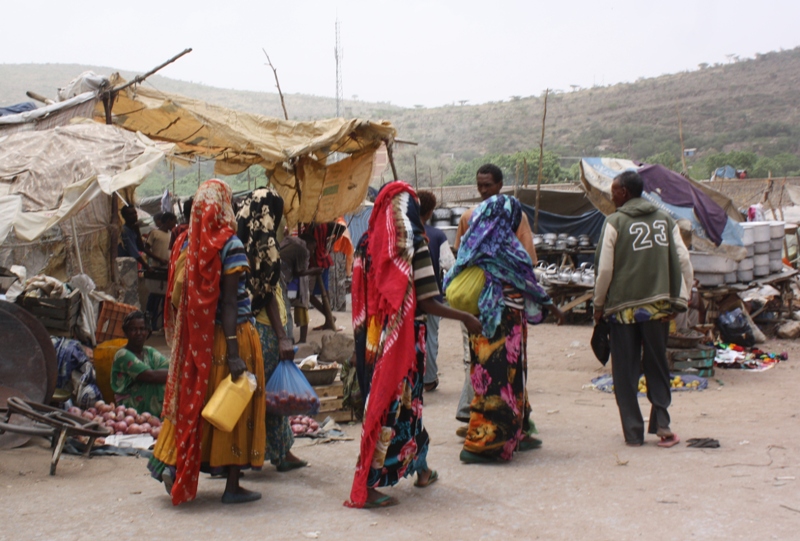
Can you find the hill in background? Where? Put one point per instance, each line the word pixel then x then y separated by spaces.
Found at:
pixel 751 105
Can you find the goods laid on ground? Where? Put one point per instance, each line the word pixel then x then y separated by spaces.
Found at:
pixel 119 419
pixel 678 382
pixel 750 359
pixel 302 425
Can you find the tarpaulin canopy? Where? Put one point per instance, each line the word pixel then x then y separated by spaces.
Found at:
pixel 17 108
pixel 590 223
pixel 713 216
pixel 236 140
pixel 49 116
pixel 50 176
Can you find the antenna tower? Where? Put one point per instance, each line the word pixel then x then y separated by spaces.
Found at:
pixel 338 53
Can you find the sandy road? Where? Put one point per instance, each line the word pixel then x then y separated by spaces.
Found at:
pixel 583 484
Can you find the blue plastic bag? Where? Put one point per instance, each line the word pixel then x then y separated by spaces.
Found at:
pixel 288 392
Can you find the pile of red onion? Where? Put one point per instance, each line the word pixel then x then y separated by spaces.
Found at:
pixel 119 419
pixel 302 425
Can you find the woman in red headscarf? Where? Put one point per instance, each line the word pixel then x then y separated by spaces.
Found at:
pixel 214 336
pixel 394 287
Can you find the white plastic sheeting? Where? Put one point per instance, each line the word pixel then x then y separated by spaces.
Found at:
pixel 49 176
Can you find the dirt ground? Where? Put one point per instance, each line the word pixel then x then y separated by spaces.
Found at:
pixel 584 483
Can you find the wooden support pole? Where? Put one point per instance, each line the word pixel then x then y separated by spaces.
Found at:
pixel 140 78
pixel 390 153
pixel 541 164
pixel 416 176
pixel 277 84
pixel 680 135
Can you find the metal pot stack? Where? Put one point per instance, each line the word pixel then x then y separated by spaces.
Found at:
pixel 776 234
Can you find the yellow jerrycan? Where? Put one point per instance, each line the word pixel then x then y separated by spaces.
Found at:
pixel 229 400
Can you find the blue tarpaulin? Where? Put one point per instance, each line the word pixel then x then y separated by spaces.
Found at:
pixel 17 108
pixel 590 223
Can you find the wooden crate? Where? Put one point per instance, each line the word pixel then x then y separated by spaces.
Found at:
pixel 60 314
pixel 702 372
pixel 695 363
pixel 330 398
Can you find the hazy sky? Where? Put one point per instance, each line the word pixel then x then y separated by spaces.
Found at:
pixel 404 52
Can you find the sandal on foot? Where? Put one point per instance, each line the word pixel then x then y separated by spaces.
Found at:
pixel 669 441
pixel 434 476
pixel 383 501
pixel 461 431
pixel 240 497
pixel 529 443
pixel 473 458
pixel 168 481
pixel 431 386
pixel 285 465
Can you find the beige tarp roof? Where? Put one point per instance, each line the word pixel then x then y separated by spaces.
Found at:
pixel 237 140
pixel 50 176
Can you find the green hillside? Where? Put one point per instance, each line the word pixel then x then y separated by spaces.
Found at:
pixel 750 106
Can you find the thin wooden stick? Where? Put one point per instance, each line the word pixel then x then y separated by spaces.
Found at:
pixel 680 135
pixel 277 84
pixel 416 176
pixel 390 153
pixel 140 78
pixel 541 164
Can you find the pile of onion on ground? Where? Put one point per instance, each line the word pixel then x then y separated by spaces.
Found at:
pixel 119 419
pixel 303 425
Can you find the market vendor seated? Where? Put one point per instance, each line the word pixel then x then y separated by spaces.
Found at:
pixel 139 372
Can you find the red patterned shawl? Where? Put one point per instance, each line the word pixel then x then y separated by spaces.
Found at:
pixel 383 294
pixel 211 225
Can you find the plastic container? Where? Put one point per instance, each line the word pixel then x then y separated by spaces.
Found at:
pixel 744 276
pixel 761 247
pixel 710 279
pixel 748 234
pixel 776 244
pixel 775 266
pixel 103 360
pixel 776 230
pixel 229 400
pixel 746 264
pixel 761 231
pixel 761 270
pixel 761 260
pixel 711 263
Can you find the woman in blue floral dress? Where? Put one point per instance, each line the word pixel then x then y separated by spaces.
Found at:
pixel 511 298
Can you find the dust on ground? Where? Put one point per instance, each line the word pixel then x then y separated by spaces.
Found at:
pixel 584 483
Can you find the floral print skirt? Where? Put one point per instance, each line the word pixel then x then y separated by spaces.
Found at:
pixel 402 446
pixel 500 412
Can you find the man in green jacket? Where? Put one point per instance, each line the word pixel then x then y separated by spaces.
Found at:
pixel 644 278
